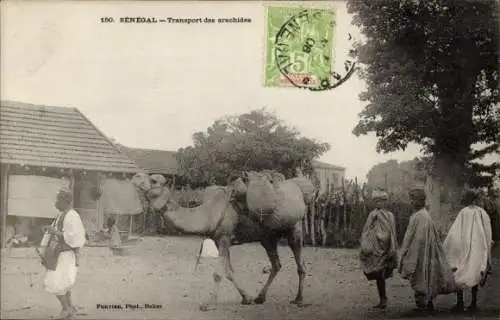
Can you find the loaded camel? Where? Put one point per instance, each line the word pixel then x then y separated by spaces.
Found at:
pixel 265 209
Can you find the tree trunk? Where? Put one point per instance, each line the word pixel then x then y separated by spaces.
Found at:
pixel 443 187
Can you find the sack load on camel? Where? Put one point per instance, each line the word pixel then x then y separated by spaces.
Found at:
pixel 275 201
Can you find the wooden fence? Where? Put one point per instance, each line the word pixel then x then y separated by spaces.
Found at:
pixel 336 219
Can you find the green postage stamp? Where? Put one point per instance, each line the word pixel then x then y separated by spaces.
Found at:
pixel 299 50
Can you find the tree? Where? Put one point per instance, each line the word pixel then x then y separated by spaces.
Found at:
pixel 431 69
pixel 396 178
pixel 256 140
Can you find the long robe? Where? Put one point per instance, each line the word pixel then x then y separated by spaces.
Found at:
pixel 423 261
pixel 378 254
pixel 468 246
pixel 59 281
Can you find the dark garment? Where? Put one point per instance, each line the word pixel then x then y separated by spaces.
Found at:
pixel 423 261
pixel 378 254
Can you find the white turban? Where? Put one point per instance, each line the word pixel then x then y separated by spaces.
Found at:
pixel 379 194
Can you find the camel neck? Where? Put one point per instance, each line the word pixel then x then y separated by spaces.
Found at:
pixel 203 219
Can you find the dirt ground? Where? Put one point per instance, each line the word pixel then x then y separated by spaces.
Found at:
pixel 160 270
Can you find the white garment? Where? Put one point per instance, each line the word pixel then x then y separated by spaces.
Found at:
pixel 59 281
pixel 468 246
pixel 209 249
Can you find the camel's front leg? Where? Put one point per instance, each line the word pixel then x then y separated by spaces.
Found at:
pixel 271 245
pixel 295 242
pixel 223 267
pixel 224 245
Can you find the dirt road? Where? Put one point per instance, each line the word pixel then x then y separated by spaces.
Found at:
pixel 160 271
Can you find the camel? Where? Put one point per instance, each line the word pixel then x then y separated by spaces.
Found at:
pixel 221 217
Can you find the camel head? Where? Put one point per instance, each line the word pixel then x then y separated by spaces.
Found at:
pixel 157 182
pixel 149 183
pixel 141 182
pixel 153 187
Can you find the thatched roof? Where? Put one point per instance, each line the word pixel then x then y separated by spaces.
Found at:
pixel 58 137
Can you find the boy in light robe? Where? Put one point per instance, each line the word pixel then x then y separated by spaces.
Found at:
pixel 468 248
pixel 60 281
pixel 423 261
pixel 378 254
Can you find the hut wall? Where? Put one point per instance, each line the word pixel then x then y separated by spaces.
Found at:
pixel 86 201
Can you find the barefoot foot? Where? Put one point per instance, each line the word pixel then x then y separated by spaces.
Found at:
pixel 260 299
pixel 457 308
pixel 246 300
pixel 298 302
pixel 207 307
pixel 65 315
pixel 473 308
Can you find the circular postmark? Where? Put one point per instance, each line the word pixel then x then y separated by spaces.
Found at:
pixel 304 53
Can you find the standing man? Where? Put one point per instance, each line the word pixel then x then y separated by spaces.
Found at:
pixel 70 232
pixel 423 261
pixel 468 248
pixel 379 245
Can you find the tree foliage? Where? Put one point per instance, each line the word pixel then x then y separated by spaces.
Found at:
pixel 431 69
pixel 396 178
pixel 256 140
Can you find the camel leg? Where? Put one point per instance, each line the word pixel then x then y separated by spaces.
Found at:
pixel 225 244
pixel 295 243
pixel 271 245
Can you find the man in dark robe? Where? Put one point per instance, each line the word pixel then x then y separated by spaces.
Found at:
pixel 423 261
pixel 378 254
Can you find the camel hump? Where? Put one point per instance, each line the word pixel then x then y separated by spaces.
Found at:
pixel 289 206
pixel 306 187
pixel 261 193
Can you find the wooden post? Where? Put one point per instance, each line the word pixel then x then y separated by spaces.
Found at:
pixel 130 226
pixel 4 173
pixel 386 183
pixel 323 227
pixel 117 222
pixel 72 186
pixel 144 218
pixel 311 226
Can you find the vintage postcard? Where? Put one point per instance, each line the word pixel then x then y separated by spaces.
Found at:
pixel 249 159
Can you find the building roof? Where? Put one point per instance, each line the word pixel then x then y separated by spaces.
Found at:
pixel 153 161
pixel 58 137
pixel 165 162
pixel 324 165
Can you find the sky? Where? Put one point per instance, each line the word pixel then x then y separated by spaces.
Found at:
pixel 154 85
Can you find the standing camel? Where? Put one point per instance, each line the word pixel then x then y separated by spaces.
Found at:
pixel 221 218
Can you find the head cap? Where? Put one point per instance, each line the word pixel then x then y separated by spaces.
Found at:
pixel 470 195
pixel 379 194
pixel 417 193
pixel 65 194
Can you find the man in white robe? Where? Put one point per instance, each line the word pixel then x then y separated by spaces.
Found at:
pixel 60 280
pixel 468 248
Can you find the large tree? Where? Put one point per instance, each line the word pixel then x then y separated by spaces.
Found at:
pixel 431 69
pixel 256 140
